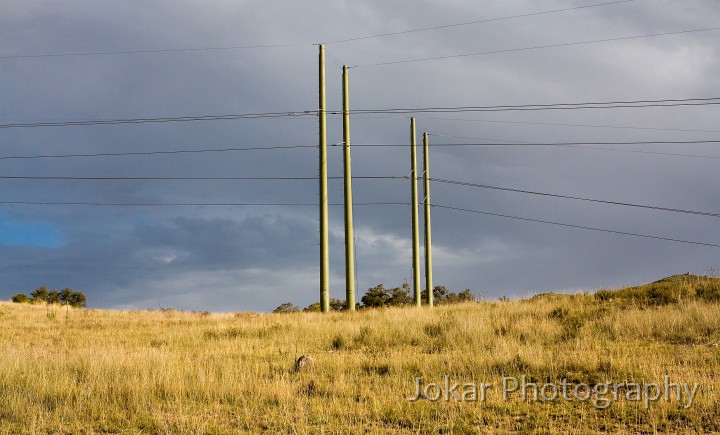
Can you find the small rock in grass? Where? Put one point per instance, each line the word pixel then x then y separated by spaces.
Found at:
pixel 305 362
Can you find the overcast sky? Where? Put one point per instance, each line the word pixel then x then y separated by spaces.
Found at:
pixel 234 258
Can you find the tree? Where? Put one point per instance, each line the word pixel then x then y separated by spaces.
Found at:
pixel 335 305
pixel 451 298
pixel 65 295
pixel 467 296
pixel 400 297
pixel 440 293
pixel 312 308
pixel 77 300
pixel 20 298
pixel 424 297
pixel 53 297
pixel 376 297
pixel 40 294
pixel 287 307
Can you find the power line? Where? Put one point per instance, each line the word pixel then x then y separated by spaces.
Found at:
pixel 276 148
pixel 307 113
pixel 553 195
pixel 105 178
pixel 582 227
pixel 190 204
pixel 260 46
pixel 467 23
pixel 581 145
pixel 73 178
pixel 552 106
pixel 537 47
pixel 147 153
pixel 162 50
pixel 476 138
pixel 162 119
pixel 567 144
pixel 574 125
pixel 698 156
pixel 539 144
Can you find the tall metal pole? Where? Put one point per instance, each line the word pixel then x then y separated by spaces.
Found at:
pixel 324 245
pixel 414 205
pixel 428 231
pixel 349 235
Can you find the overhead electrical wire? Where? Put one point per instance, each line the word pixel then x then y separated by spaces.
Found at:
pixel 148 153
pixel 151 51
pixel 552 124
pixel 570 145
pixel 468 23
pixel 372 177
pixel 536 47
pixel 162 119
pixel 582 227
pixel 228 204
pixel 490 143
pixel 188 204
pixel 213 178
pixel 308 113
pixel 583 145
pixel 657 153
pixel 105 178
pixel 552 106
pixel 286 45
pixel 554 195
pixel 499 143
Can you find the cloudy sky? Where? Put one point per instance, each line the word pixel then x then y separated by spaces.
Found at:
pixel 91 60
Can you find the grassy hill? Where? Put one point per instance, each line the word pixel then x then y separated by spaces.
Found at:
pixel 103 371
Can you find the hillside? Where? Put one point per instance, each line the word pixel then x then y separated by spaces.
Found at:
pixel 104 371
pixel 668 290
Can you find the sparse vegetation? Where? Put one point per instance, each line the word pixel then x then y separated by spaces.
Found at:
pixel 379 296
pixel 287 307
pixel 41 295
pixel 167 371
pixel 671 290
pixel 20 298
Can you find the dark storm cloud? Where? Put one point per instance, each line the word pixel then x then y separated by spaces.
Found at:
pixel 224 244
pixel 239 258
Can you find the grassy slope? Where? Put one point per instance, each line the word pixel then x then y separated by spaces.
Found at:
pixel 101 371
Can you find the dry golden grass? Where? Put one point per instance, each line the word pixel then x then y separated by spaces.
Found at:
pixel 98 371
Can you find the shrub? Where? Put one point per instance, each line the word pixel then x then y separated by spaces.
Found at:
pixel 40 294
pixel 441 295
pixel 377 296
pixel 335 305
pixel 709 292
pixel 20 298
pixel 312 308
pixel 77 300
pixel 287 307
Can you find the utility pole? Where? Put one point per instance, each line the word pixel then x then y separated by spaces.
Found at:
pixel 414 205
pixel 428 232
pixel 324 245
pixel 349 234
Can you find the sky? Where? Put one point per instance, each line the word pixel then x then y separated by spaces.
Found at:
pixel 88 60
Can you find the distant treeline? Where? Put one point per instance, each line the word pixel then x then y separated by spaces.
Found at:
pixel 379 296
pixel 41 295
